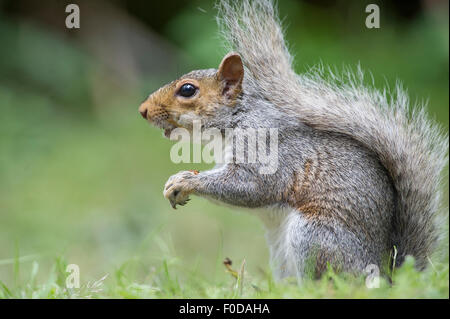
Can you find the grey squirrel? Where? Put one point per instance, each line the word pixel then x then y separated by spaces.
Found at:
pixel 359 171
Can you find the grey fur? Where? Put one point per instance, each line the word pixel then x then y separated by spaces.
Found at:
pixel 359 170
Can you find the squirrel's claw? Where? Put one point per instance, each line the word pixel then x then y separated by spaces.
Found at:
pixel 175 199
pixel 178 188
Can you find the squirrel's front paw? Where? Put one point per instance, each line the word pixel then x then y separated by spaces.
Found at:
pixel 179 187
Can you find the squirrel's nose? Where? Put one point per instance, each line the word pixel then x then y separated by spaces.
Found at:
pixel 143 113
pixel 143 110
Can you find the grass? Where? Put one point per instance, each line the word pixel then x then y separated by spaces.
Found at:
pixel 172 280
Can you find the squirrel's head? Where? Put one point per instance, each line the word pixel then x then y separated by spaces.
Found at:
pixel 195 96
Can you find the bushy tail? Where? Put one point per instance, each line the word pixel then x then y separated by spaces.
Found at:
pixel 252 28
pixel 411 148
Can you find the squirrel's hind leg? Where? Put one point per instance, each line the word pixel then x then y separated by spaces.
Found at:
pixel 302 247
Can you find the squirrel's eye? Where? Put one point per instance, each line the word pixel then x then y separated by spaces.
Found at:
pixel 187 90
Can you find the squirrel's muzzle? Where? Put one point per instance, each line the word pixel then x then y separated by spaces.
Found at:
pixel 156 114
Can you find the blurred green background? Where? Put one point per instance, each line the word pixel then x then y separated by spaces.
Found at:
pixel 81 173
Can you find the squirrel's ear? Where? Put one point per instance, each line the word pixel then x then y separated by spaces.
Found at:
pixel 231 73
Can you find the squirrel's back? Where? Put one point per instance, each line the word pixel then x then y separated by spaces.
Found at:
pixel 411 149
